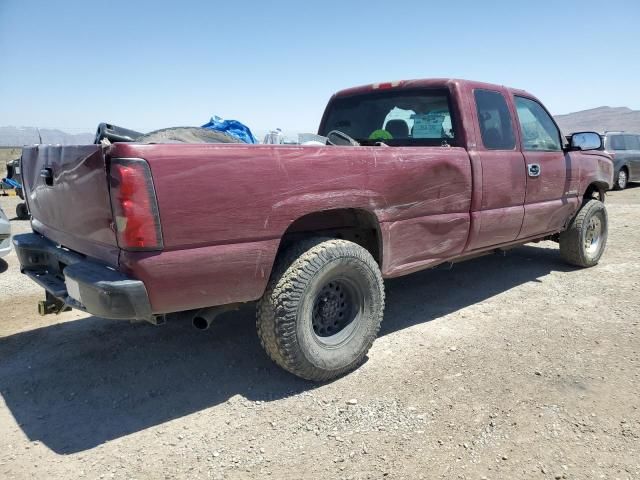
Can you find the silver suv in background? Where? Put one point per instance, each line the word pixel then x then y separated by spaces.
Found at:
pixel 624 148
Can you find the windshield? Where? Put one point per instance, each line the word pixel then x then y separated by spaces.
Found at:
pixel 402 118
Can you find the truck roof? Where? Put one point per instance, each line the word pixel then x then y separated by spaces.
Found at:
pixel 424 83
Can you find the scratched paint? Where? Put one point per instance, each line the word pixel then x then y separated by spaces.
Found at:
pixel 225 207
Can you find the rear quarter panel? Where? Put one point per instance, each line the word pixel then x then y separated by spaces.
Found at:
pixel 224 209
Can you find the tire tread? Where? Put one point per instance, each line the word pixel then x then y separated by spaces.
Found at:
pixel 571 247
pixel 276 310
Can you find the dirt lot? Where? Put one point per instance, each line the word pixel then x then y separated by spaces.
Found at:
pixel 502 368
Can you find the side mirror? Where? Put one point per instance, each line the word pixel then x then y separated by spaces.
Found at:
pixel 585 141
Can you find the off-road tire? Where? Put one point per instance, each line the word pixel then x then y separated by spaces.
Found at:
pixel 573 241
pixel 621 181
pixel 187 135
pixel 287 311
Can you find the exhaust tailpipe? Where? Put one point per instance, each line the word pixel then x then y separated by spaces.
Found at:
pixel 201 323
pixel 205 316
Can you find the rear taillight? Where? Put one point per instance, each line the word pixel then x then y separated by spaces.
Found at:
pixel 134 205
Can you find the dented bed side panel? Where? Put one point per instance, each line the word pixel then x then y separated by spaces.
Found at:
pixel 215 198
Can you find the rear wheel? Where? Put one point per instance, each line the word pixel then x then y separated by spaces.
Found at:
pixel 583 243
pixel 622 179
pixel 322 308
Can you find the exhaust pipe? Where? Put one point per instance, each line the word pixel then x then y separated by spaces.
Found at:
pixel 205 316
pixel 200 323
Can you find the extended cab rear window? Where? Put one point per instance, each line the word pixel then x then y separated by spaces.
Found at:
pixel 395 117
pixel 496 127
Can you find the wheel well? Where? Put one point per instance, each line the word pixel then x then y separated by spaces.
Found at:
pixel 356 225
pixel 595 191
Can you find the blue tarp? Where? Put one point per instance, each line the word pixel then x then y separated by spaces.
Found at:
pixel 231 127
pixel 11 183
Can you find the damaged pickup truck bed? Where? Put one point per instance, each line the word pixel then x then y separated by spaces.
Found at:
pixel 418 173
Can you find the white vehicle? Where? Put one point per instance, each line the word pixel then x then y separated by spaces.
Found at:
pixel 5 234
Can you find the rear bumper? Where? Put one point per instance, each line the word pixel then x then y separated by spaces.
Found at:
pixel 82 283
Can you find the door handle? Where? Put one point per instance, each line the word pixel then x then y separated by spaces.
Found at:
pixel 533 169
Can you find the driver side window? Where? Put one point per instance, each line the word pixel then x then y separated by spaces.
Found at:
pixel 539 132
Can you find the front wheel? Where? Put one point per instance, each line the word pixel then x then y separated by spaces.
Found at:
pixel 583 243
pixel 322 308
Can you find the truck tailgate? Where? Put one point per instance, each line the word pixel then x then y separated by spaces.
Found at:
pixel 66 188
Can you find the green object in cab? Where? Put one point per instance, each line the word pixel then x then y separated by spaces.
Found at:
pixel 380 134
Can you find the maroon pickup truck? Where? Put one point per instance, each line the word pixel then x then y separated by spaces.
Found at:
pixel 414 174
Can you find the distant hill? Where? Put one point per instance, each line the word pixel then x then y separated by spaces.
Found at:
pixel 19 136
pixel 600 119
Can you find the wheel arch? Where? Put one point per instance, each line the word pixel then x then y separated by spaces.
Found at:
pixel 595 190
pixel 358 225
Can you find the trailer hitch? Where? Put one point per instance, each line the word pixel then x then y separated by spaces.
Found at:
pixel 51 304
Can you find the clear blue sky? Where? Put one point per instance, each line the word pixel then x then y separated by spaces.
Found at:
pixel 151 64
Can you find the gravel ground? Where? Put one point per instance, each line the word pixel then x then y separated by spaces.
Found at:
pixel 515 367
